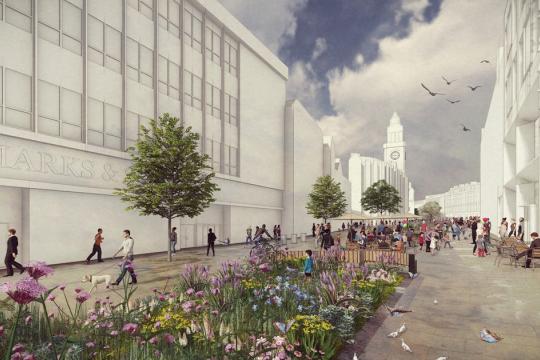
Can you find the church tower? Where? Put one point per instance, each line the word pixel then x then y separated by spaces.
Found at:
pixel 394 149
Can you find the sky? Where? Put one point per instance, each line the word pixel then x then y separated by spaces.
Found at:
pixel 352 63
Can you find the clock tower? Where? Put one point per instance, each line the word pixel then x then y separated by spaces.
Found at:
pixel 394 149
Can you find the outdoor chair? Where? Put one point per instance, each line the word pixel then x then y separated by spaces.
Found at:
pixel 534 258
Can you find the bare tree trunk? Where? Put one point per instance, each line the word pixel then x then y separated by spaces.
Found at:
pixel 169 226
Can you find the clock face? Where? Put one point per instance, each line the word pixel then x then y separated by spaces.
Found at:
pixel 394 155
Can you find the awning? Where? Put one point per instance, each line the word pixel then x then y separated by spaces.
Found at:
pixel 352 216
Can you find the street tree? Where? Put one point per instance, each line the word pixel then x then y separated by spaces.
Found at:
pixel 381 197
pixel 168 176
pixel 326 199
pixel 431 210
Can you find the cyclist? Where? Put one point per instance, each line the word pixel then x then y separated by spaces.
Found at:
pixel 260 232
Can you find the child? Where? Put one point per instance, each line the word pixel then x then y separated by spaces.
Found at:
pixel 480 245
pixel 308 264
pixel 421 240
pixel 446 240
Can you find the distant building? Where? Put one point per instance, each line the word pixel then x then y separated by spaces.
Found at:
pixel 461 200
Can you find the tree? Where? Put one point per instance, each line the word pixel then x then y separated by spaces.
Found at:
pixel 326 200
pixel 431 210
pixel 381 197
pixel 168 176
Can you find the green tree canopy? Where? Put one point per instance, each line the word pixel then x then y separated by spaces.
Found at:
pixel 168 176
pixel 430 210
pixel 381 197
pixel 326 200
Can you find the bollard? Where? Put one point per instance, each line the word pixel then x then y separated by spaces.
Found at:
pixel 294 239
pixel 303 237
pixel 412 264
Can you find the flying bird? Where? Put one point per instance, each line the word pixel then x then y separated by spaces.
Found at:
pixel 484 61
pixel 405 346
pixel 453 101
pixel 396 311
pixel 402 329
pixel 473 88
pixel 429 91
pixel 464 129
pixel 448 82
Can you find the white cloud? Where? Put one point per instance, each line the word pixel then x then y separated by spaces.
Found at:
pixel 439 154
pixel 273 22
pixel 304 86
pixel 320 48
pixel 414 7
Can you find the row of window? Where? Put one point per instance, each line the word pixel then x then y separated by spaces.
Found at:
pixel 16 101
pixel 228 157
pixel 169 78
pixel 60 22
pixel 169 16
pixel 140 62
pixel 104 44
pixel 17 13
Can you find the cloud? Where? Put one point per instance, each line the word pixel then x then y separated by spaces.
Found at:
pixel 320 48
pixel 304 86
pixel 439 154
pixel 273 22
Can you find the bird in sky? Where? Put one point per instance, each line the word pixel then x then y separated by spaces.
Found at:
pixel 473 88
pixel 453 101
pixel 464 129
pixel 405 346
pixel 484 61
pixel 448 82
pixel 429 91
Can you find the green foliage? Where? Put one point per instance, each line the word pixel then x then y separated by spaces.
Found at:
pixel 381 197
pixel 431 210
pixel 168 176
pixel 326 200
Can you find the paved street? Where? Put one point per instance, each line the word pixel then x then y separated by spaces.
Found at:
pixel 472 294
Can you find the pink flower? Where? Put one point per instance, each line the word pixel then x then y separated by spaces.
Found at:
pixel 153 340
pixel 1 331
pixel 157 325
pixel 78 290
pixel 39 269
pixel 62 287
pixel 199 294
pixel 190 291
pixel 215 291
pixel 229 348
pixel 114 333
pixel 264 267
pixel 289 347
pixel 169 339
pixel 298 354
pixel 29 357
pixel 161 297
pixel 28 320
pixel 130 328
pixel 157 353
pixel 154 290
pixel 90 345
pixel 215 312
pixel 25 290
pixel 82 296
pixel 51 297
pixel 282 355
pixel 187 306
pixel 18 348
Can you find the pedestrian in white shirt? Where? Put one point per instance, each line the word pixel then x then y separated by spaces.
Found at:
pixel 127 258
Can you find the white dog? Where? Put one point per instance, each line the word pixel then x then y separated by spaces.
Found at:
pixel 97 279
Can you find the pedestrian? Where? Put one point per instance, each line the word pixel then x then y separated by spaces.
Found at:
pixel 421 240
pixel 174 239
pixel 521 229
pixel 428 242
pixel 503 229
pixel 278 231
pixel 313 228
pixel 308 264
pixel 275 232
pixel 127 259
pixel 327 240
pixel 456 231
pixel 474 230
pixel 211 241
pixel 487 235
pixel 96 248
pixel 410 235
pixel 446 240
pixel 423 228
pixel 512 231
pixel 343 227
pixel 480 244
pixel 248 235
pixel 434 245
pixel 11 253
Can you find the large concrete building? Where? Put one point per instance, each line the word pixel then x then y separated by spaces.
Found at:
pixel 511 136
pixel 78 77
pixel 364 171
pixel 461 200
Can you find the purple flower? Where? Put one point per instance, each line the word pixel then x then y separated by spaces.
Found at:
pixel 90 345
pixel 215 291
pixel 199 294
pixel 25 290
pixel 39 269
pixel 62 287
pixel 51 297
pixel 82 296
pixel 169 339
pixel 78 290
pixel 153 340
pixel 229 348
pixel 1 331
pixel 187 306
pixel 29 356
pixel 190 291
pixel 264 267
pixel 114 333
pixel 18 348
pixel 130 328
pixel 161 297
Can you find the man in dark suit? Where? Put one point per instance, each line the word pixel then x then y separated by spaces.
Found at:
pixel 11 254
pixel 211 241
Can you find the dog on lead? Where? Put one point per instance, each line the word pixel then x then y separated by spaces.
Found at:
pixel 97 279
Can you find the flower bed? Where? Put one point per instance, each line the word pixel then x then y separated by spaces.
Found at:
pixel 262 308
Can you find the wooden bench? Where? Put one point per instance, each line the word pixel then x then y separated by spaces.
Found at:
pixel 534 258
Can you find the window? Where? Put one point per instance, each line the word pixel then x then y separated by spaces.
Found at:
pixel 104 44
pixel 63 31
pixel 192 90
pixel 230 57
pixel 169 16
pixel 18 99
pixel 133 126
pixel 104 124
pixel 230 160
pixel 71 27
pixel 193 29
pixel 213 100
pixel 19 14
pixel 145 7
pixel 169 78
pixel 140 63
pixel 213 45
pixel 231 109
pixel 213 150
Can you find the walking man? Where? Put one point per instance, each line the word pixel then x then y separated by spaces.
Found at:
pixel 211 241
pixel 127 259
pixel 174 239
pixel 11 254
pixel 96 249
pixel 249 239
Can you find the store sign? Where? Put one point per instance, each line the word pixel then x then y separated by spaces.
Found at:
pixel 35 161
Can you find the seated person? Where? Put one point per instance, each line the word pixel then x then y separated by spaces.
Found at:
pixel 535 244
pixel 399 245
pixel 383 244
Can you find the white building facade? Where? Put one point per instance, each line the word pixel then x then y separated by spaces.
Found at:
pixel 511 136
pixel 78 77
pixel 461 200
pixel 365 171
